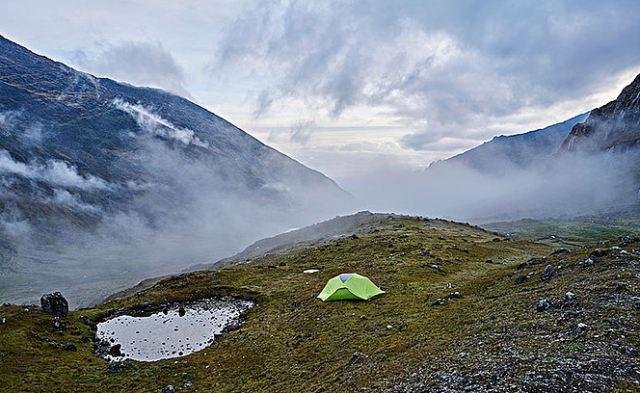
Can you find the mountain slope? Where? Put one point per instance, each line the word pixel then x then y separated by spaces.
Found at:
pixel 614 125
pixel 90 161
pixel 521 151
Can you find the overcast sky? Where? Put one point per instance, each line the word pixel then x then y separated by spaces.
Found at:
pixel 349 87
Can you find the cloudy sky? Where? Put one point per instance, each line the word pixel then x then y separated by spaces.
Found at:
pixel 352 87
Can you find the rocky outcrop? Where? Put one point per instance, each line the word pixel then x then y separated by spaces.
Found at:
pixel 55 304
pixel 616 124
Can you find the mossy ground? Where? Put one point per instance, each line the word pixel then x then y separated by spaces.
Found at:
pixel 491 339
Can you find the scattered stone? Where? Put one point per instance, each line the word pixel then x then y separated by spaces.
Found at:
pixel 181 311
pixel 629 350
pixel 70 347
pixel 168 389
pixel 489 261
pixel 580 328
pixel 520 280
pixel 389 327
pixel 308 271
pixel 55 304
pixel 187 384
pixel 569 296
pixel 548 273
pixel 522 266
pixel 496 239
pixel 436 268
pixel 354 236
pixel 543 305
pixel 588 262
pixel 357 356
pixel 58 324
pixel 282 264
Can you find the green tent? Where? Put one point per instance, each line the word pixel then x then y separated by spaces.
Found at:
pixel 349 286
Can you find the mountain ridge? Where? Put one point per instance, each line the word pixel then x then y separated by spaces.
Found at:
pixel 91 162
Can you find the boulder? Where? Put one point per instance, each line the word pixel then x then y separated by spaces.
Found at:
pixel 548 273
pixel 54 303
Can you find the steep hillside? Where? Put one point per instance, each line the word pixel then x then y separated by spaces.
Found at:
pixel 464 310
pixel 103 179
pixel 615 125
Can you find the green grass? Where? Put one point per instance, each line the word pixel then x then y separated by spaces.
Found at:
pixel 294 342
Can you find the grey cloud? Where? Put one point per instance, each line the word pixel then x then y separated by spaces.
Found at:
pixel 300 132
pixel 138 63
pixel 453 64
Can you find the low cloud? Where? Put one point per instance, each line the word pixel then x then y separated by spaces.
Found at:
pixel 154 124
pixel 52 171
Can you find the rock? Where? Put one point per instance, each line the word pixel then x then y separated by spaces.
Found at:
pixel 454 295
pixel 489 261
pixel 357 356
pixel 116 367
pixel 389 327
pixel 54 303
pixel 354 236
pixel 115 350
pixel 629 350
pixel 437 302
pixel 70 347
pixel 181 311
pixel 548 273
pixel 621 287
pixel 282 264
pixel 522 266
pixel 496 239
pixel 599 252
pixel 560 251
pixel 58 324
pixel 436 268
pixel 569 296
pixel 168 389
pixel 580 328
pixel 543 305
pixel 588 262
pixel 520 280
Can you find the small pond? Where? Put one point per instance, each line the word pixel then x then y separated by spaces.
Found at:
pixel 176 331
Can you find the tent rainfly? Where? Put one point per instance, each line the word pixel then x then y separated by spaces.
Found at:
pixel 349 286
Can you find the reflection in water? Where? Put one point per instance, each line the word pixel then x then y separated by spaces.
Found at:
pixel 176 331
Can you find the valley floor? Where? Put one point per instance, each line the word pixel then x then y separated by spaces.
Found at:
pixel 519 325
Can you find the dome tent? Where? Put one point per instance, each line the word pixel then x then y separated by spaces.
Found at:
pixel 350 286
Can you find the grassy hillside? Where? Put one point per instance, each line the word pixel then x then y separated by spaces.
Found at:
pixel 491 339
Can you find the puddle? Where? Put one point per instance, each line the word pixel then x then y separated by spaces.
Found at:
pixel 176 331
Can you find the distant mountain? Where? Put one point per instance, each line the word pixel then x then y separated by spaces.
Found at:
pixel 521 151
pixel 94 164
